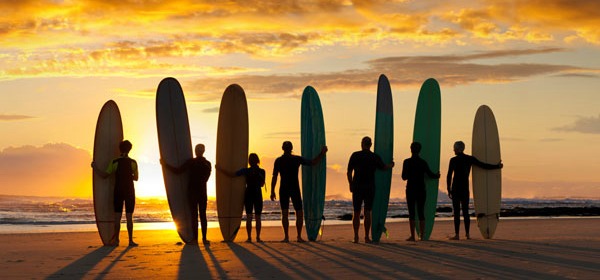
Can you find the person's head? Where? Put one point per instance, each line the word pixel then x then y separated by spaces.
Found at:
pixel 253 159
pixel 125 146
pixel 199 150
pixel 459 147
pixel 366 143
pixel 415 148
pixel 287 147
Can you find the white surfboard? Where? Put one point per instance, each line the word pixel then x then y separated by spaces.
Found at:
pixel 487 184
pixel 175 146
pixel 232 154
pixel 109 133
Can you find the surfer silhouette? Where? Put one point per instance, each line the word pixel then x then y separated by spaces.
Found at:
pixel 414 170
pixel 200 170
pixel 361 178
pixel 287 166
pixel 126 171
pixel 458 185
pixel 253 200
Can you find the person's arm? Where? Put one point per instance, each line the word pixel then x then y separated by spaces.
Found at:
pixel 274 179
pixel 484 165
pixel 99 171
pixel 449 178
pixel 226 172
pixel 404 171
pixel 319 157
pixel 134 168
pixel 430 173
pixel 175 169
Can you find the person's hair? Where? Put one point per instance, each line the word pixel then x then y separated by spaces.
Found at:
pixel 459 146
pixel 287 146
pixel 253 159
pixel 415 147
pixel 366 141
pixel 125 146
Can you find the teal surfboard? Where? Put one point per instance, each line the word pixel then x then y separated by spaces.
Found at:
pixel 384 147
pixel 313 177
pixel 427 131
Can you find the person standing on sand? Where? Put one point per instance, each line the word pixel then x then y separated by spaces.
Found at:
pixel 361 178
pixel 414 170
pixel 200 170
pixel 458 186
pixel 287 165
pixel 126 171
pixel 255 179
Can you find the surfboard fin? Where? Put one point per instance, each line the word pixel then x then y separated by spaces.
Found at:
pixel 385 231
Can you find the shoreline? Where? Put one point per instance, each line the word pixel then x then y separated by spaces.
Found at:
pixel 521 249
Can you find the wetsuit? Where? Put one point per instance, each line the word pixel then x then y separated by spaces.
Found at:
pixel 125 169
pixel 414 170
pixel 363 163
pixel 287 165
pixel 200 170
pixel 255 179
pixel 458 186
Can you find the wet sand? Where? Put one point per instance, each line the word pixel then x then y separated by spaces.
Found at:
pixel 521 249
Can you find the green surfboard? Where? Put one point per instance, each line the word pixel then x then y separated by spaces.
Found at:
pixel 427 131
pixel 313 177
pixel 384 147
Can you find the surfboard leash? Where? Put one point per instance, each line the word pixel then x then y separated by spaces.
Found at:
pixel 322 228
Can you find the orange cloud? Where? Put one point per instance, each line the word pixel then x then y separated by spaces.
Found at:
pixel 49 170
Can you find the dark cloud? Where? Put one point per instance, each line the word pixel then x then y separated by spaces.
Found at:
pixel 449 70
pixel 589 125
pixel 5 117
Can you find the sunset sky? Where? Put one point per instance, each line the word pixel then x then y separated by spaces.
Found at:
pixel 535 63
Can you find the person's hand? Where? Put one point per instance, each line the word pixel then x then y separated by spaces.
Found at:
pixel 273 197
pixel 449 194
pixel 162 161
pixel 324 150
pixel 93 164
pixel 438 175
pixel 500 165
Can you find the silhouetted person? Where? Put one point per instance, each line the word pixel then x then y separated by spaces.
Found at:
pixel 126 171
pixel 414 170
pixel 458 187
pixel 199 170
pixel 361 179
pixel 253 200
pixel 287 165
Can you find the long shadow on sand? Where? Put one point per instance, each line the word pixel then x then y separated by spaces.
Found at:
pixel 81 267
pixel 192 264
pixel 258 267
pixel 464 264
pixel 395 266
pixel 298 268
pixel 540 253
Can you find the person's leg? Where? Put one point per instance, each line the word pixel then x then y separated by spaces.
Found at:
pixel 421 211
pixel 285 223
pixel 129 217
pixel 410 204
pixel 367 225
pixel 129 208
pixel 356 203
pixel 299 223
pixel 195 211
pixel 466 217
pixel 117 227
pixel 249 215
pixel 258 205
pixel 456 214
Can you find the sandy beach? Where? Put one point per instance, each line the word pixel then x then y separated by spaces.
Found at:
pixel 521 249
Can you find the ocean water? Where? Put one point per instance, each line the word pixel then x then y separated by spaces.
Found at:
pixel 47 214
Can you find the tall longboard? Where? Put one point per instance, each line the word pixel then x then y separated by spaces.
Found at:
pixel 487 184
pixel 427 131
pixel 232 154
pixel 109 133
pixel 313 177
pixel 384 147
pixel 175 146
